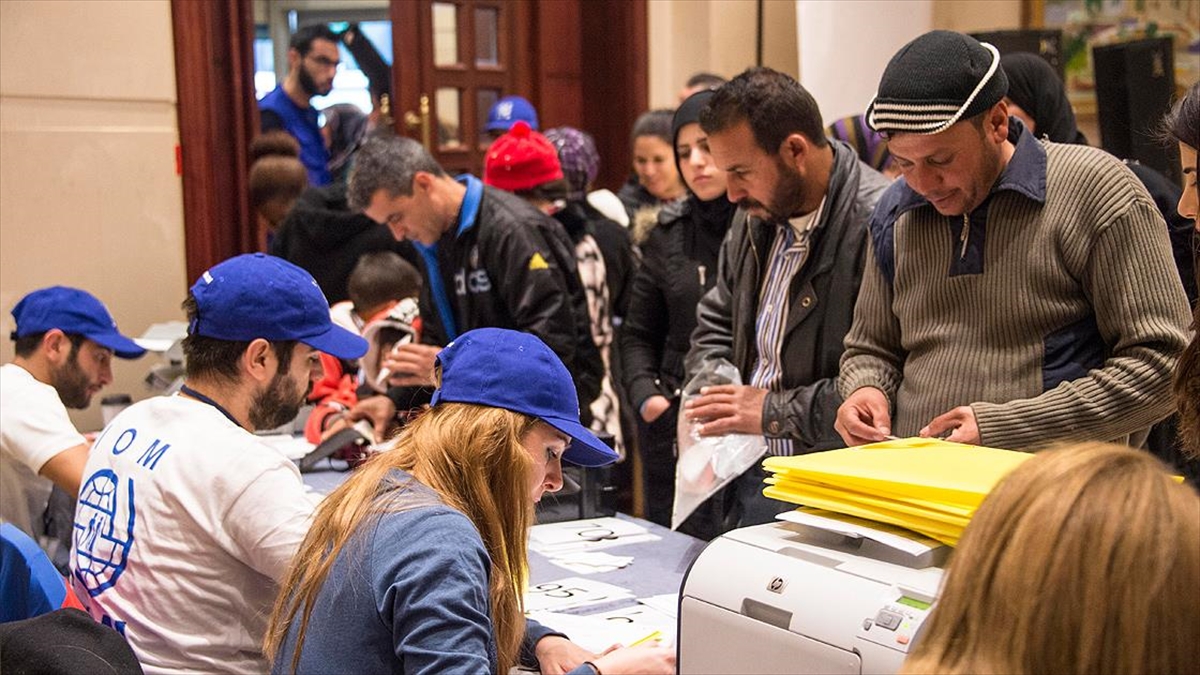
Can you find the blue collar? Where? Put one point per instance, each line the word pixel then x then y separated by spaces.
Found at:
pixel 469 209
pixel 1024 174
pixel 1026 170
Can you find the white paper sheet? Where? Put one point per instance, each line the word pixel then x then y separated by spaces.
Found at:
pixel 571 592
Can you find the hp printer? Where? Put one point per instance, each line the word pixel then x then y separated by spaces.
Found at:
pixel 787 597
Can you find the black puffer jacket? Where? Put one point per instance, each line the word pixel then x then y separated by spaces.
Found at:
pixel 822 297
pixel 514 267
pixel 679 264
pixel 322 235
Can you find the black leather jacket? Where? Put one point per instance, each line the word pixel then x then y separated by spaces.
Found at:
pixel 821 307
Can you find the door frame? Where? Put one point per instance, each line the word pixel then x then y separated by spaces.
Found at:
pixel 218 114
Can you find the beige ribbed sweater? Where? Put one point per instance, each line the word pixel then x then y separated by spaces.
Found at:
pixel 1098 246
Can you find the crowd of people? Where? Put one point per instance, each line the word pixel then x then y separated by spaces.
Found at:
pixel 957 262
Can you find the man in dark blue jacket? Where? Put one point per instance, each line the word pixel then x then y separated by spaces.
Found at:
pixel 312 63
pixel 490 260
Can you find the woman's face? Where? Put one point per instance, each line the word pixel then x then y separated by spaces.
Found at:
pixel 1189 201
pixel 700 172
pixel 654 163
pixel 545 446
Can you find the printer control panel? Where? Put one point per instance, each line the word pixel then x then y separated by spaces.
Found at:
pixel 897 622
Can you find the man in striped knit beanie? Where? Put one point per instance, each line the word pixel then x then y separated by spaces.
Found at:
pixel 1017 291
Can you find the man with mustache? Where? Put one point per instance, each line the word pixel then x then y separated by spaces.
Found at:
pixel 788 276
pixel 312 62
pixel 65 343
pixel 1019 292
pixel 186 522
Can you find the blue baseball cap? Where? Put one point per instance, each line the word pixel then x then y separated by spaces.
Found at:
pixel 255 296
pixel 72 311
pixel 516 371
pixel 510 110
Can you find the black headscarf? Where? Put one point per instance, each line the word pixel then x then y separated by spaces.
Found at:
pixel 1033 85
pixel 715 213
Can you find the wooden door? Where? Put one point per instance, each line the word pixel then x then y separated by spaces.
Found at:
pixel 454 59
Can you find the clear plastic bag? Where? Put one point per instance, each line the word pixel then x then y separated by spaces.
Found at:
pixel 705 465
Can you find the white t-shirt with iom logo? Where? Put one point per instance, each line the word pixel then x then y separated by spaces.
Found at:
pixel 185 524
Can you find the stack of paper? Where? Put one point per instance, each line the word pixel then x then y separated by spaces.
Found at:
pixel 923 484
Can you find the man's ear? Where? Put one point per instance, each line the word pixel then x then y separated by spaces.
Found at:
pixel 256 360
pixel 995 125
pixel 293 58
pixel 56 346
pixel 423 181
pixel 794 150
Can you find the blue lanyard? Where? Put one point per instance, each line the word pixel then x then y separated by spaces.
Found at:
pixel 184 389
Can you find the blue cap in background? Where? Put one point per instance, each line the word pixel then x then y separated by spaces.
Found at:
pixel 510 110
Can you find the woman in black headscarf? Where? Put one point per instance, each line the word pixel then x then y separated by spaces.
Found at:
pixel 679 265
pixel 1036 97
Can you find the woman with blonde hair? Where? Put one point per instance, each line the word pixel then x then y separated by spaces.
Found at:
pixel 1085 559
pixel 416 564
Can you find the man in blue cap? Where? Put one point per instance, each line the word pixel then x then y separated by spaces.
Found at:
pixel 186 522
pixel 507 112
pixel 65 342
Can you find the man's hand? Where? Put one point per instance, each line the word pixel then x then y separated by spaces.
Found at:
pixel 557 655
pixel 654 407
pixel 411 365
pixel 727 409
pixel 959 422
pixel 379 410
pixel 864 417
pixel 651 658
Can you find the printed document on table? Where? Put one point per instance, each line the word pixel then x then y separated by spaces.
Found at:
pixel 570 593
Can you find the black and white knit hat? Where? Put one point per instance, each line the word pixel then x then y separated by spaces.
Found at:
pixel 934 81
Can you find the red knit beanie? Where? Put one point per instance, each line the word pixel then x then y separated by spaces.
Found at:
pixel 521 159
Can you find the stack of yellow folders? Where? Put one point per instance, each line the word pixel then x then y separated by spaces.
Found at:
pixel 923 484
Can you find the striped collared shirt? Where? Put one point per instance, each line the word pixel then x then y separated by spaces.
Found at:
pixel 788 255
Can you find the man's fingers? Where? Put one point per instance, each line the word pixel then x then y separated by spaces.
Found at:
pixel 860 428
pixel 942 425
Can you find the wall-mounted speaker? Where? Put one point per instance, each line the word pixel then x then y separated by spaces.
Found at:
pixel 1045 43
pixel 1135 82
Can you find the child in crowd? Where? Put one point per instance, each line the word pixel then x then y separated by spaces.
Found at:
pixel 383 289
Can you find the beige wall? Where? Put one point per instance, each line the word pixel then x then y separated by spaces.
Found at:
pixel 687 36
pixel 89 195
pixel 836 47
pixel 966 16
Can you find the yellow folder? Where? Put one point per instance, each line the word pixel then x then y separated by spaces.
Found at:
pixel 927 485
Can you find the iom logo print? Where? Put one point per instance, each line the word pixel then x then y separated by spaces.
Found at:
pixel 102 542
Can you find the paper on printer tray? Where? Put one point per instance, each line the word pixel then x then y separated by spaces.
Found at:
pixel 895 537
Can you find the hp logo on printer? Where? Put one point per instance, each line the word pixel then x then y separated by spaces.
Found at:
pixel 777 585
